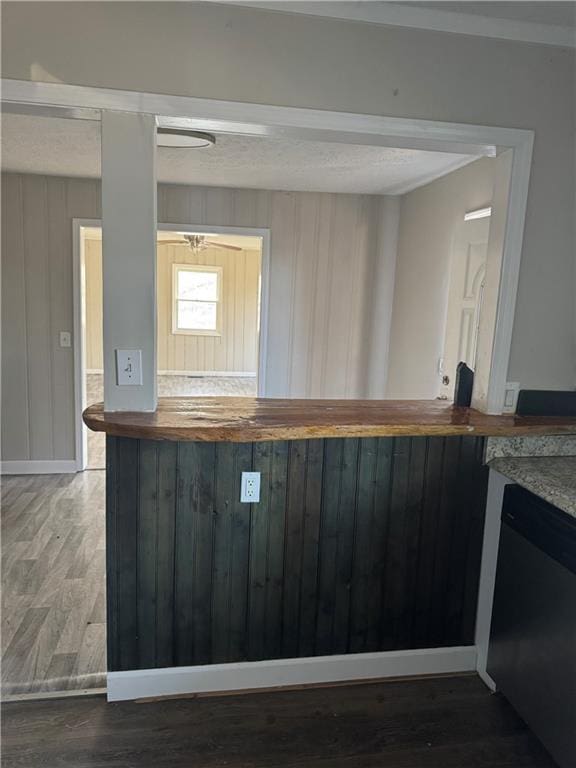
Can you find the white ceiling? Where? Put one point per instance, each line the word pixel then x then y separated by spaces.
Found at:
pixel 65 147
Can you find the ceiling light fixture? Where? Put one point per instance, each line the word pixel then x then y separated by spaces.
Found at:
pixel 479 213
pixel 177 138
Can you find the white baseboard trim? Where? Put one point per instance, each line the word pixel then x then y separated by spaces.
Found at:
pixel 211 374
pixel 56 467
pixel 171 681
pixel 203 374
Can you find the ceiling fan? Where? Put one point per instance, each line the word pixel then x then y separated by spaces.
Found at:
pixel 199 243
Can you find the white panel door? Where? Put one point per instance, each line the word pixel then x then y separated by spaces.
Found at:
pixel 467 273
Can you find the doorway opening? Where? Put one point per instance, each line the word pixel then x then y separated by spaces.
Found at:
pixel 210 310
pixel 467 276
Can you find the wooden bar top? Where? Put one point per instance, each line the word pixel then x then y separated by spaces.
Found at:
pixel 247 419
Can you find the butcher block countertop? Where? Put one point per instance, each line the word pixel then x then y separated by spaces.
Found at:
pixel 247 419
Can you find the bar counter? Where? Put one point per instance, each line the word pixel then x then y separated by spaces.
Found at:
pixel 366 538
pixel 246 419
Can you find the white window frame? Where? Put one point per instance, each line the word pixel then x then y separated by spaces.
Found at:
pixel 176 268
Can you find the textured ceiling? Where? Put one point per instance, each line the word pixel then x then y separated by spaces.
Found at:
pixel 72 148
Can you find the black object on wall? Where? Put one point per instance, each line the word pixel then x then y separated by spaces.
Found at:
pixel 464 385
pixel 540 402
pixel 357 545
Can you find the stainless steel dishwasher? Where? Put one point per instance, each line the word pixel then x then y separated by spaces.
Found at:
pixel 532 653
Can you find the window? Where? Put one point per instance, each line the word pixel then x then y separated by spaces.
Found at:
pixel 196 299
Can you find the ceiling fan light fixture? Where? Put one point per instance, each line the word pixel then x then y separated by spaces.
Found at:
pixel 178 138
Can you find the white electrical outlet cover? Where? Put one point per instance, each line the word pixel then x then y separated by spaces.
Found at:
pixel 250 487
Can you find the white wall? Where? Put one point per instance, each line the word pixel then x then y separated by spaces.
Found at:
pixel 325 252
pixel 242 54
pixel 429 218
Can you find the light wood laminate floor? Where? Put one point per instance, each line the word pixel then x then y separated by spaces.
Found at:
pixel 53 582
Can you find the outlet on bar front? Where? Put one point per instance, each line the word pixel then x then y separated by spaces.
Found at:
pixel 250 487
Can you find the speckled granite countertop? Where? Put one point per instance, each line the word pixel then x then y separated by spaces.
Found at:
pixel 553 478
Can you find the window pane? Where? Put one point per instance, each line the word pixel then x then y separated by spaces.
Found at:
pixel 202 286
pixel 197 315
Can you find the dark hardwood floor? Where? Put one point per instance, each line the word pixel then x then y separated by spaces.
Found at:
pixel 433 723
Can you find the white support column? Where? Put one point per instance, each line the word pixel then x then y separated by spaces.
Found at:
pixel 129 254
pixel 383 281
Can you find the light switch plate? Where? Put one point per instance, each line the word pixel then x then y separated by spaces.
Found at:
pixel 511 396
pixel 250 487
pixel 128 367
pixel 65 339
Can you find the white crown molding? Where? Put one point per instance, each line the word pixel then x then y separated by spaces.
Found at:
pixel 403 15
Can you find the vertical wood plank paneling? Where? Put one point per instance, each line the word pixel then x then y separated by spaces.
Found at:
pixel 345 546
pixel 203 506
pixel 328 546
pixel 282 222
pixel 59 257
pixel 113 545
pixel 259 532
pixel 195 506
pixel 147 552
pixel 293 548
pixel 15 396
pixel 165 530
pixel 128 478
pixel 239 558
pixel 225 487
pixel 445 517
pixel 424 597
pixel 461 518
pixel 235 350
pixel 317 260
pixel 379 542
pixel 38 310
pixel 187 512
pixel 310 546
pixel 477 506
pixel 412 526
pixel 395 577
pixel 356 545
pixel 361 583
pixel 275 552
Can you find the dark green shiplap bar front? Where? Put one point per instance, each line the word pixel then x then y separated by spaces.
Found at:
pixel 357 545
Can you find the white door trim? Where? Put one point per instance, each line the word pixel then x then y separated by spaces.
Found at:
pixel 266 120
pixel 79 326
pixel 281 673
pixel 81 431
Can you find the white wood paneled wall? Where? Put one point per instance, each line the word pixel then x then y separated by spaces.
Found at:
pixel 324 252
pixel 236 349
pixel 37 303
